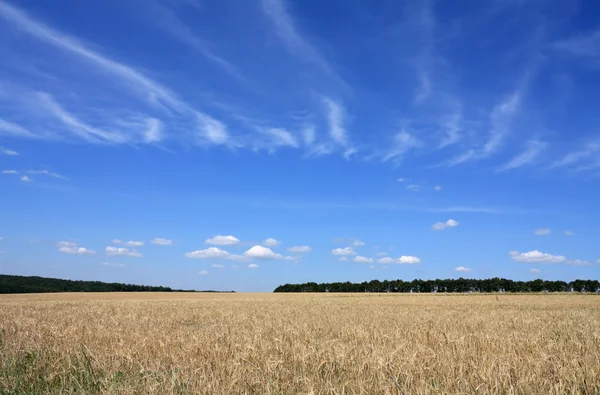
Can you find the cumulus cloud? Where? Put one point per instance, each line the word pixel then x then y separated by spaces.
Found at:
pixel 213 253
pixel 253 266
pixel 128 243
pixel 536 256
pixel 542 232
pixel 260 252
pixel 222 240
pixel 162 242
pixel 300 249
pixel 70 247
pixel 403 260
pixel 343 251
pixel 203 272
pixel 25 179
pixel 409 260
pixel 120 251
pixel 462 269
pixel 362 259
pixel 358 243
pixel 271 242
pixel 443 225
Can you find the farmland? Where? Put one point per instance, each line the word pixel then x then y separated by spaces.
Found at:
pixel 299 343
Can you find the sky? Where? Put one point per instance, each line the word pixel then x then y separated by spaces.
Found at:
pixel 241 145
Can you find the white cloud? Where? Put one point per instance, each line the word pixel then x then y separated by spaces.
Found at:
pixel 260 252
pixel 116 251
pixel 213 253
pixel 402 143
pixel 154 133
pixel 7 151
pixel 76 126
pixel 528 156
pixel 335 120
pixel 10 172
pixel 443 225
pixel 536 256
pixel 280 138
pixel 309 135
pixel 223 240
pixel 203 273
pixel 462 269
pixel 587 46
pixel 25 179
pixel 590 148
pixel 117 241
pixel 413 187
pixel 300 249
pixel 47 173
pixel 535 270
pixel 343 251
pixel 217 266
pixel 409 260
pixel 162 242
pixel 134 243
pixel 111 264
pixel 403 260
pixel 400 179
pixel 358 243
pixel 212 130
pixel 298 46
pixel 67 244
pixel 362 259
pixel 343 259
pixel 70 247
pixel 542 232
pixel 253 266
pixel 271 242
pixel 500 120
pixel 437 188
pixel 569 233
pixel 14 130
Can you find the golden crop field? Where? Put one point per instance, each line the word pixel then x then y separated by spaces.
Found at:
pixel 299 343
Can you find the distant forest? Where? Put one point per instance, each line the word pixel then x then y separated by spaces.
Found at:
pixel 22 284
pixel 449 285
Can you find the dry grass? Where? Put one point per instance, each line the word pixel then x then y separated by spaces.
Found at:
pixel 311 343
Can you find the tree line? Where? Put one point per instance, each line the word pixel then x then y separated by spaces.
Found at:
pixel 449 285
pixel 23 284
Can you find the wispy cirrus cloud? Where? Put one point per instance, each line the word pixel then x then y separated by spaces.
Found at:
pixel 528 156
pixel 402 143
pixel 335 115
pixel 7 151
pixel 46 173
pixel 166 18
pixel 294 41
pixel 583 45
pixel 142 86
pixel 12 129
pixel 590 150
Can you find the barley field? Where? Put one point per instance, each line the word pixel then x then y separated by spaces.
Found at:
pixel 299 343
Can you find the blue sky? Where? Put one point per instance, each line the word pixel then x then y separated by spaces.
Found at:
pixel 246 144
